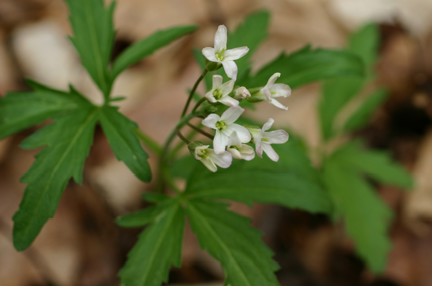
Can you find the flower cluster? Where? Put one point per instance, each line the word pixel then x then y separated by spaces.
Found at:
pixel 232 140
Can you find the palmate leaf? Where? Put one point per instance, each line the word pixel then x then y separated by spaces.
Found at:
pixel 291 182
pixel 93 38
pixel 157 249
pixel 307 65
pixel 122 136
pixel 365 215
pixel 147 46
pixel 21 110
pixel 229 237
pixel 66 145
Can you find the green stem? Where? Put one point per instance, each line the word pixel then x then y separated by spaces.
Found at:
pixel 201 131
pixel 198 104
pixel 149 142
pixel 164 152
pixel 191 94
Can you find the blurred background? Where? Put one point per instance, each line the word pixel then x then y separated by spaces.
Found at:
pixel 83 246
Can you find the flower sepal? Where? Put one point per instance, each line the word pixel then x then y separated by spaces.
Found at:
pixel 212 66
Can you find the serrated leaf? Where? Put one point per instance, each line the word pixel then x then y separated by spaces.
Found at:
pixel 250 33
pixel 147 46
pixel 307 65
pixel 21 110
pixel 229 238
pixel 122 136
pixel 361 115
pixel 157 250
pixel 93 37
pixel 291 182
pixel 376 164
pixel 365 215
pixel 67 143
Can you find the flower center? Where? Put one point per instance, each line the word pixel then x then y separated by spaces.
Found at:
pixel 265 139
pixel 217 94
pixel 203 153
pixel 220 125
pixel 219 55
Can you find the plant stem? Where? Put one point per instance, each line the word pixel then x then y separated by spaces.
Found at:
pixel 149 142
pixel 201 131
pixel 191 94
pixel 164 152
pixel 198 104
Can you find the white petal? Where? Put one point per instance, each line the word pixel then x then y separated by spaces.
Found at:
pixel 209 164
pixel 223 160
pixel 256 133
pixel 273 78
pixel 217 81
pixel 229 101
pixel 220 42
pixel 276 137
pixel 236 53
pixel 234 140
pixel 209 53
pixel 231 69
pixel 198 150
pixel 270 152
pixel 259 148
pixel 235 153
pixel 278 104
pixel 267 125
pixel 281 90
pixel 242 132
pixel 220 142
pixel 266 93
pixel 232 114
pixel 227 87
pixel 247 152
pixel 211 120
pixel 209 96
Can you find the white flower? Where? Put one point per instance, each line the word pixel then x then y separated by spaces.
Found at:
pixel 220 54
pixel 239 150
pixel 220 92
pixel 225 126
pixel 211 160
pixel 242 93
pixel 272 91
pixel 263 139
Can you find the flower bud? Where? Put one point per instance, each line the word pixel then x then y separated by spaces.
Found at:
pixel 242 93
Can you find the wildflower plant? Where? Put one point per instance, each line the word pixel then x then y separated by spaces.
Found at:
pixel 225 159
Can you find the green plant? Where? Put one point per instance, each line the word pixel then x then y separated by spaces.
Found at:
pixel 337 186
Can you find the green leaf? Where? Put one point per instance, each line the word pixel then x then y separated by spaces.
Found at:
pixel 93 38
pixel 149 45
pixel 291 182
pixel 365 215
pixel 21 110
pixel 123 139
pixel 364 112
pixel 183 167
pixel 229 238
pixel 376 164
pixel 336 93
pixel 138 218
pixel 339 91
pixel 67 143
pixel 250 33
pixel 307 65
pixel 157 249
pixel 365 44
